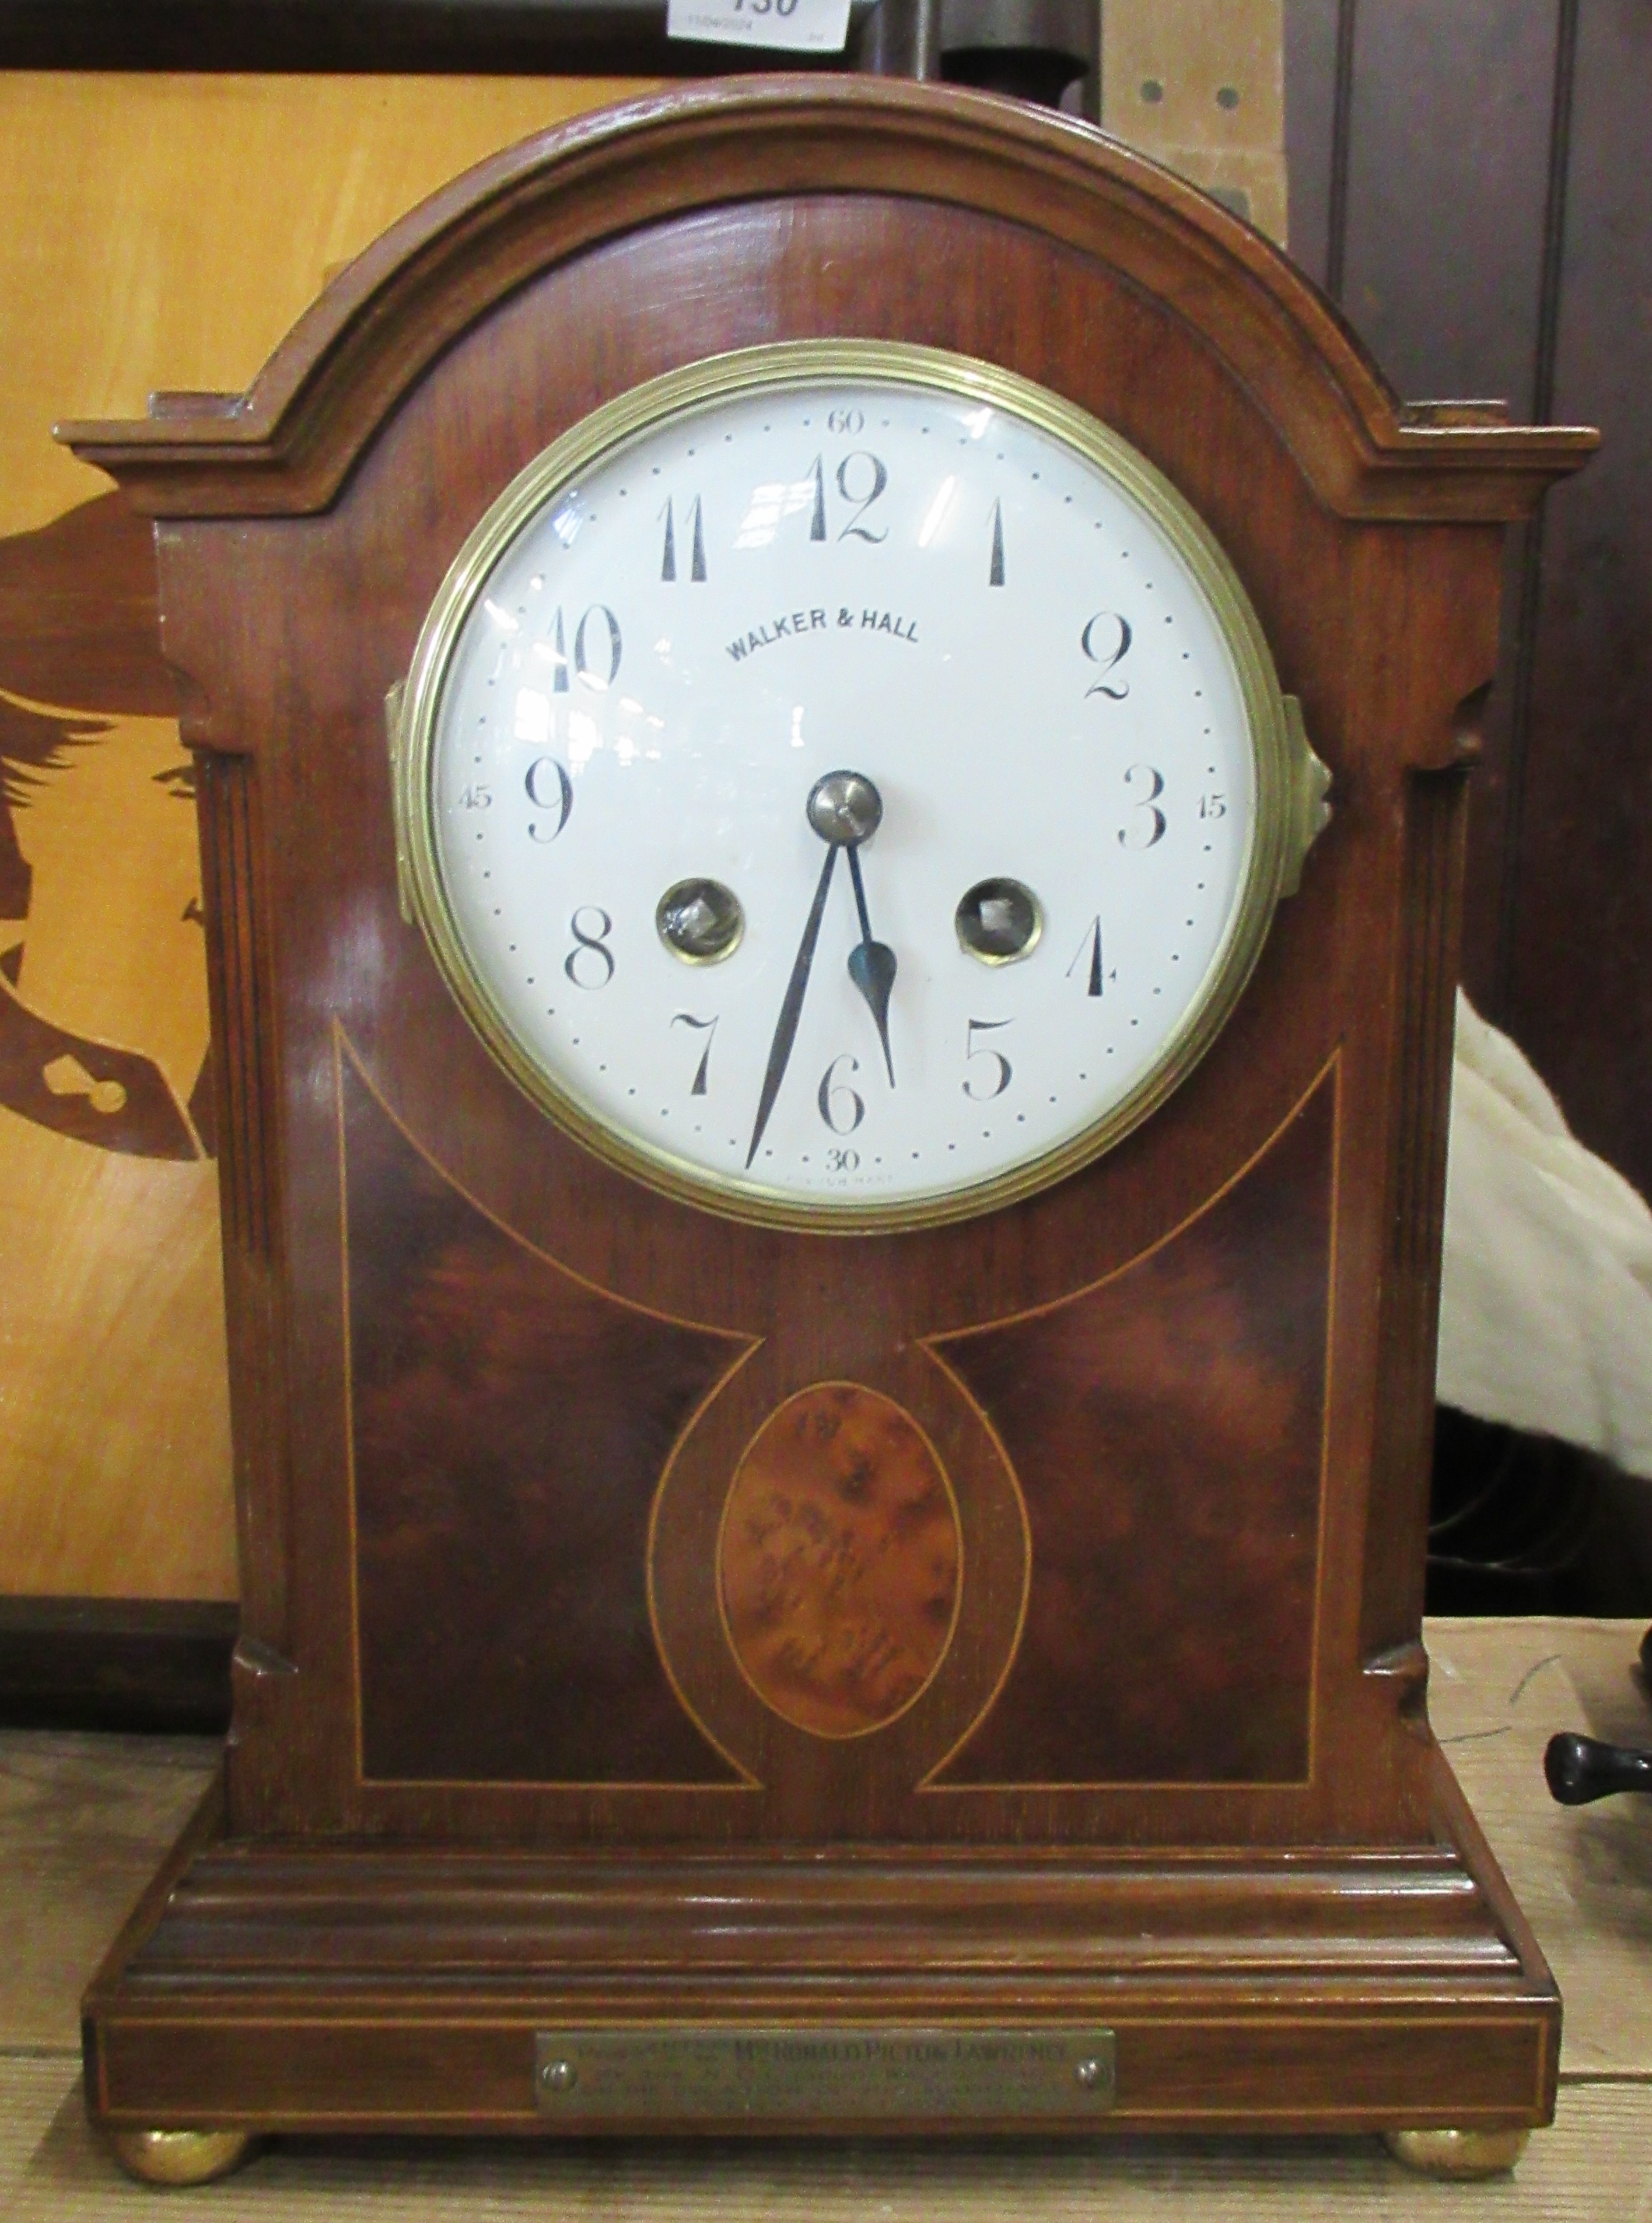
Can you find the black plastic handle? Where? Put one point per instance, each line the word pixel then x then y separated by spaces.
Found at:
pixel 1579 1768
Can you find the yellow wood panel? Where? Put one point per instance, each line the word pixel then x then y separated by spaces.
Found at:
pixel 166 231
pixel 1200 85
pixel 154 232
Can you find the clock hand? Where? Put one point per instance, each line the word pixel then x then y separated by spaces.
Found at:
pixel 844 808
pixel 872 964
pixel 792 1007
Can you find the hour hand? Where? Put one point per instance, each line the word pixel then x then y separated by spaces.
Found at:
pixel 872 965
pixel 846 810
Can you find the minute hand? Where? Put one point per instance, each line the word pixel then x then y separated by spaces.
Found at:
pixel 786 1030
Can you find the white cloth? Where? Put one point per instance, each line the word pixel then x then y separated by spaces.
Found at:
pixel 1546 1303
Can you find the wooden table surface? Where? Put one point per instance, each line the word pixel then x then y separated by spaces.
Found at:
pixel 83 1820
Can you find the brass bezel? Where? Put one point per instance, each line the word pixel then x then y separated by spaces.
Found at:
pixel 1281 830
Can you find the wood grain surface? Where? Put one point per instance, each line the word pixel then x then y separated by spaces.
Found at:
pixel 153 230
pixel 1234 1307
pixel 1594 2159
pixel 83 1821
pixel 1576 907
pixel 1167 1429
pixel 508 1426
pixel 1200 85
pixel 1467 184
pixel 838 1563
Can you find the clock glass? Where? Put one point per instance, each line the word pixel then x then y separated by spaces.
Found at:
pixel 844 783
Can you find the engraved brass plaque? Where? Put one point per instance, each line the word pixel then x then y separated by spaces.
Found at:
pixel 934 2078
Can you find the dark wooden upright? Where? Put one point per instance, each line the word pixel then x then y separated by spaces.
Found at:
pixel 496 1768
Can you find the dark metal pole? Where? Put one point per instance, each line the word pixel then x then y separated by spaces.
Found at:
pixel 902 38
pixel 1045 51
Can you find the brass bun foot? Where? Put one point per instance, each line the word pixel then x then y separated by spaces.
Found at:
pixel 1460 2154
pixel 180 2156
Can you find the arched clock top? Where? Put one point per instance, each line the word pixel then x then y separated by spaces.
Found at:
pixel 814 816
pixel 287 446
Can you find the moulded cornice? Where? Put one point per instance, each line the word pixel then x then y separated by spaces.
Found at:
pixel 285 446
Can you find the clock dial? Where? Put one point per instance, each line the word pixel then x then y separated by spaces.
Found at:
pixel 845 784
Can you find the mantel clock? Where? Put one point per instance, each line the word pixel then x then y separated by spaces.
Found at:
pixel 831 721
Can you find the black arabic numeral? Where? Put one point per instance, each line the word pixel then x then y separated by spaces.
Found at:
pixel 708 1028
pixel 1149 802
pixel 832 1092
pixel 583 664
pixel 1088 955
pixel 668 560
pixel 549 789
pixel 583 642
pixel 476 799
pixel 588 944
pixel 974 1049
pixel 559 653
pixel 1107 650
pixel 854 529
pixel 696 545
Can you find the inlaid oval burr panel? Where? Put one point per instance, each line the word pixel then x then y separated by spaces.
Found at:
pixel 839 1560
pixel 898 1583
pixel 837 1571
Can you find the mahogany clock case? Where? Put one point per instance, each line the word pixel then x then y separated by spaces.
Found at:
pixel 498 1767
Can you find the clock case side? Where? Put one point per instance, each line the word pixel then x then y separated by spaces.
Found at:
pixel 1422 502
pixel 245 1038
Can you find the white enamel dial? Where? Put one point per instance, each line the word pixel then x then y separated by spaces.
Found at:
pixel 1045 688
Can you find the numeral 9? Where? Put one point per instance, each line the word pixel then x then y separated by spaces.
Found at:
pixel 549 789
